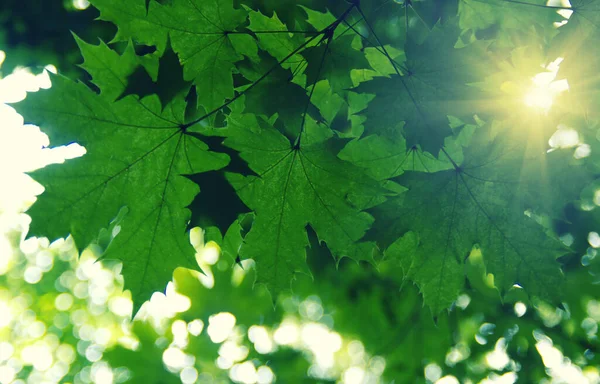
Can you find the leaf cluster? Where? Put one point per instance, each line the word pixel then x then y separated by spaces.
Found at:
pixel 379 125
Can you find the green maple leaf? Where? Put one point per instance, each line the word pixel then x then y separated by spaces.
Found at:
pixel 277 93
pixel 479 202
pixel 383 158
pixel 136 154
pixel 431 85
pixel 202 33
pixel 334 60
pixel 277 43
pixel 297 186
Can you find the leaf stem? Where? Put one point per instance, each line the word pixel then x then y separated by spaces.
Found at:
pixel 312 90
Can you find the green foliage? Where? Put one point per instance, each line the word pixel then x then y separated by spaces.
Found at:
pixel 391 147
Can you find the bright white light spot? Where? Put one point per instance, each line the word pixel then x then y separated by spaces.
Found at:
pixel 36 329
pixel 322 342
pixel 498 358
pixel 564 137
pixel 6 350
pixel 377 365
pixel 63 302
pixel 507 378
pixel 463 301
pixel 7 374
pixel 539 97
pixel 244 373
pixel 81 4
pixel 311 308
pixel 520 309
pixel 224 363
pixel 286 334
pixel 197 238
pixel 180 333
pixel 195 327
pixel 584 150
pixel 265 375
pixel 120 306
pixel 594 239
pixel 44 260
pixel 176 359
pixel 39 355
pixel 211 253
pixel 33 274
pixel 93 353
pixel 66 353
pixel 233 352
pixel 101 373
pixel 6 314
pixel 102 336
pixel 356 350
pixel 188 375
pixel 543 88
pixel 2 57
pixel 457 354
pixel 220 326
pixel 261 339
pixel 448 380
pixel 165 306
pixel 354 375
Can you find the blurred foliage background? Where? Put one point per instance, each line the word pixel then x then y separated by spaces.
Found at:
pixel 65 318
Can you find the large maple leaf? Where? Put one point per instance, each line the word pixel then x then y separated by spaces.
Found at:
pixel 296 186
pixel 484 200
pixel 136 154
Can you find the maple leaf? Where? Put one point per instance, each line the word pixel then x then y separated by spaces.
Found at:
pixel 276 94
pixel 297 186
pixel 429 86
pixel 202 33
pixel 334 60
pixel 483 202
pixel 136 154
pixel 278 43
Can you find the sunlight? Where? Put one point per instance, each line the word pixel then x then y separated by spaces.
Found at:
pixel 543 89
pixel 539 97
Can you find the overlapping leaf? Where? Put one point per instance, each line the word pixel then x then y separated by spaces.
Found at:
pixel 430 85
pixel 203 33
pixel 483 202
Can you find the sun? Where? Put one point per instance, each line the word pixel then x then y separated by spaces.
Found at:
pixel 544 88
pixel 539 97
